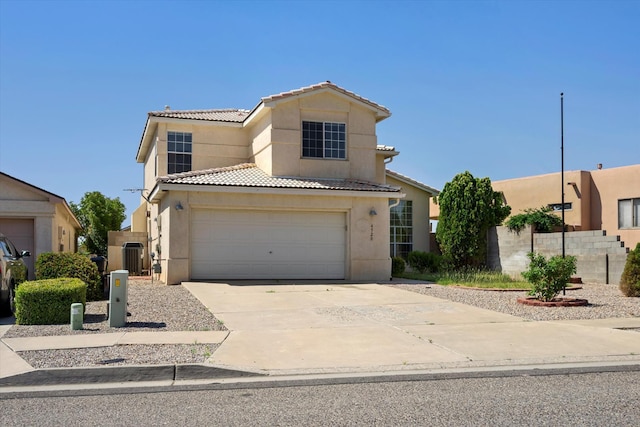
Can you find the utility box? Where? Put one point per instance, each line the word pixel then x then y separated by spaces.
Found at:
pixel 132 254
pixel 118 299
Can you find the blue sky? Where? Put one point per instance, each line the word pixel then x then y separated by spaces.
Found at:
pixel 472 85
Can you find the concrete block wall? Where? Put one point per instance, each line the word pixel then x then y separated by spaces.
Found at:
pixel 600 258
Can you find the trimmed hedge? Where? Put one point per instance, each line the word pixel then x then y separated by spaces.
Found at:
pixel 48 302
pixel 397 266
pixel 424 261
pixel 53 265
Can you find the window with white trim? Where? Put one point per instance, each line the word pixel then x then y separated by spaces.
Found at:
pixel 629 213
pixel 179 152
pixel 401 233
pixel 324 140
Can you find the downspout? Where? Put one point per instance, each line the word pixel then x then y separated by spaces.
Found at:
pixel 396 203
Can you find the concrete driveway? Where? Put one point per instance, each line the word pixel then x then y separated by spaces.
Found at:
pixel 369 327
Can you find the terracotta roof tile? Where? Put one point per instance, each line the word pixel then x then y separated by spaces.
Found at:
pixel 249 175
pixel 224 115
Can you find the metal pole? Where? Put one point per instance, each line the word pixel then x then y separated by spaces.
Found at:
pixel 564 287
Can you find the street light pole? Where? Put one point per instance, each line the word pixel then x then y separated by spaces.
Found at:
pixel 564 287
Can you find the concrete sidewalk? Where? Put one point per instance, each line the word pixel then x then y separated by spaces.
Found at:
pixel 288 329
pixel 336 328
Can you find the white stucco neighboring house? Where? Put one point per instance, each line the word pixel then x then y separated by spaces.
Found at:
pixel 35 220
pixel 295 188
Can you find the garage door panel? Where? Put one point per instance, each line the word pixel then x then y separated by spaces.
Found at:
pixel 267 245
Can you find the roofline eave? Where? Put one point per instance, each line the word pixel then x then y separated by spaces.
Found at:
pixel 158 191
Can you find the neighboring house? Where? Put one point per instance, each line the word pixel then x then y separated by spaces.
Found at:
pixel 409 222
pixel 35 219
pixel 295 188
pixel 602 199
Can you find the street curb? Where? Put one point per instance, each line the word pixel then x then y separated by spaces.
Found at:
pixel 120 374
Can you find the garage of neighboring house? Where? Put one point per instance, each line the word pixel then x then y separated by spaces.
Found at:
pixel 259 244
pixel 35 220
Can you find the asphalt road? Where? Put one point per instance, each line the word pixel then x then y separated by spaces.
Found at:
pixel 587 399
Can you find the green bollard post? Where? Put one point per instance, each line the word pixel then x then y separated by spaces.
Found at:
pixel 77 316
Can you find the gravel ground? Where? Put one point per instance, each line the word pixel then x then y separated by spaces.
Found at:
pixel 156 307
pixel 605 301
pixel 152 307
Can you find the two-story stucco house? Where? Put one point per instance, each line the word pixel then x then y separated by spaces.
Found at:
pixel 293 189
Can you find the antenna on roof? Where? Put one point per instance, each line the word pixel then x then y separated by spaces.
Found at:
pixel 167 108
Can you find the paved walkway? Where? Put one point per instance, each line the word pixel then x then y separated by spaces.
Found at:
pixel 299 328
pixel 291 329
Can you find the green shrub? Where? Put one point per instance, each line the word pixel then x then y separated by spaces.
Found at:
pixel 542 220
pixel 630 280
pixel 48 302
pixel 424 261
pixel 52 265
pixel 397 266
pixel 548 278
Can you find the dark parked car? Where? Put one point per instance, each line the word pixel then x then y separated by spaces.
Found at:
pixel 13 270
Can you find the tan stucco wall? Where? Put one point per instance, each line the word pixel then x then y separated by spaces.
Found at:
pixel 608 186
pixel 115 242
pixel 594 197
pixel 367 257
pixel 420 199
pixel 538 191
pixel 54 227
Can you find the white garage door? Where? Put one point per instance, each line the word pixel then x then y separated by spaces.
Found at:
pixel 230 244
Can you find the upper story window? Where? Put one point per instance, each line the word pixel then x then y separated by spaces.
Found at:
pixel 629 213
pixel 324 140
pixel 179 152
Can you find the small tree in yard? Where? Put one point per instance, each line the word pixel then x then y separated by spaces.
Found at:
pixel 468 208
pixel 98 215
pixel 548 278
pixel 630 280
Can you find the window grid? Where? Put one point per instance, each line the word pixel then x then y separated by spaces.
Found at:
pixel 179 147
pixel 629 213
pixel 324 140
pixel 401 229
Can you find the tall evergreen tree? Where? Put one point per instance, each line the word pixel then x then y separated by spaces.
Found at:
pixel 468 208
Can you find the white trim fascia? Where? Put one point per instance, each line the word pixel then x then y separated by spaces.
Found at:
pixel 197 122
pixel 415 184
pixel 257 110
pixel 139 157
pixel 268 190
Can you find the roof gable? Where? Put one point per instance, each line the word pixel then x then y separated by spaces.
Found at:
pixel 240 117
pixel 412 182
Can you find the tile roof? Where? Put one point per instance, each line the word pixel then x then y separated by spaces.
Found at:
pixel 323 85
pixel 223 115
pixel 411 181
pixel 249 175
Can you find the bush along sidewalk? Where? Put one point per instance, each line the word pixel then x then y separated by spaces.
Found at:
pixel 48 302
pixel 548 278
pixel 630 280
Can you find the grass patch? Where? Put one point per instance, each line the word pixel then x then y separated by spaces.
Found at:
pixel 473 278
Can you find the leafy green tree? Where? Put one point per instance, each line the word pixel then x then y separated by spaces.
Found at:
pixel 468 208
pixel 98 215
pixel 542 219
